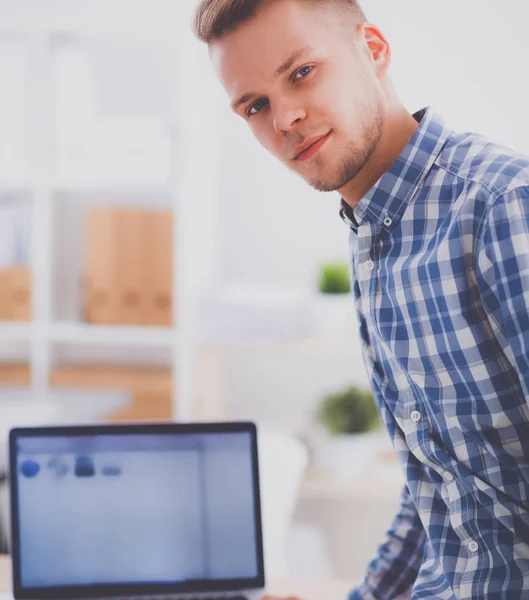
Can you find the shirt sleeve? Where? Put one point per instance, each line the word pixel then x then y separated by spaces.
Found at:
pixel 392 573
pixel 502 271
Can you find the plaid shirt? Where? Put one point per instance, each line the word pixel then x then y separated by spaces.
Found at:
pixel 440 273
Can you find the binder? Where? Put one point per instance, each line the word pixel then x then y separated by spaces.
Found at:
pixel 15 293
pixel 129 263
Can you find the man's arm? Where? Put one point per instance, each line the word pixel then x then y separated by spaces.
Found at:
pixel 502 271
pixel 392 573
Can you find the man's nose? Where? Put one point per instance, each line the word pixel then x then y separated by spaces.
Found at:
pixel 287 117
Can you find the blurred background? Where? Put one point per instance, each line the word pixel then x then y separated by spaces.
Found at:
pixel 157 264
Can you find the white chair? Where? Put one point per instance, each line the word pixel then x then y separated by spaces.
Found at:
pixel 282 463
pixel 308 553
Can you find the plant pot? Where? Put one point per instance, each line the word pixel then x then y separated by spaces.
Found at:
pixel 333 315
pixel 348 456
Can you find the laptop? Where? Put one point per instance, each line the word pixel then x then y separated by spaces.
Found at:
pixel 156 510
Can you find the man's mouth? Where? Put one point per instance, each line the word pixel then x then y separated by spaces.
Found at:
pixel 309 148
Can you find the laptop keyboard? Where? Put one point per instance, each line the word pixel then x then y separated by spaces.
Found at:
pixel 220 597
pixel 185 596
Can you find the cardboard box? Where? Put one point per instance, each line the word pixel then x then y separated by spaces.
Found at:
pixel 128 267
pixel 15 294
pixel 15 374
pixel 151 388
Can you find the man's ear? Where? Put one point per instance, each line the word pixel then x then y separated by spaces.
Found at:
pixel 378 47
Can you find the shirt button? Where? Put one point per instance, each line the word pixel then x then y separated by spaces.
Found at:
pixel 370 265
pixel 388 221
pixel 448 476
pixel 416 416
pixel 473 546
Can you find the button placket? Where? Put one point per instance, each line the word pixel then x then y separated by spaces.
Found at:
pixel 415 416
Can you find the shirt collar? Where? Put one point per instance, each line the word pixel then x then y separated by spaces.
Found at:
pixel 387 200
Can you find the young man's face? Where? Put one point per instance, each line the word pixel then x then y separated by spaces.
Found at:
pixel 301 75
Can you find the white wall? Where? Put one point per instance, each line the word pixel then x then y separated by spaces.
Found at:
pixel 467 59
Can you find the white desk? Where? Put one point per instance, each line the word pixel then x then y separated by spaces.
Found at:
pixel 307 590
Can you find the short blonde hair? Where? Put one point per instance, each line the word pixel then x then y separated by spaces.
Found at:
pixel 214 18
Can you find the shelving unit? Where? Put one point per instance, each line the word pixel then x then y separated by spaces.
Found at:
pixel 164 25
pixel 114 335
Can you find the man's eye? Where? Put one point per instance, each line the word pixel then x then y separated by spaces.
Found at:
pixel 304 71
pixel 256 107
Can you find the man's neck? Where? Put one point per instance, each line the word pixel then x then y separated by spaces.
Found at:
pixel 398 130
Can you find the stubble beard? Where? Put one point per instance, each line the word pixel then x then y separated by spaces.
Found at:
pixel 333 178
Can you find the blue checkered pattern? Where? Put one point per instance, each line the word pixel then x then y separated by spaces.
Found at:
pixel 440 273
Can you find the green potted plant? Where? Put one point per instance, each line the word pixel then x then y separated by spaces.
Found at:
pixel 334 278
pixel 352 423
pixel 334 310
pixel 350 411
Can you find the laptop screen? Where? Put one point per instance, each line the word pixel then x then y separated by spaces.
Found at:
pixel 135 508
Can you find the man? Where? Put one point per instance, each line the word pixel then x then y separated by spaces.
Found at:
pixel 439 234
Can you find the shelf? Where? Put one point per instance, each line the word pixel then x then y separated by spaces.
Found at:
pixel 87 186
pixel 113 335
pixel 110 335
pixel 22 186
pixel 15 331
pixel 69 169
pixel 97 186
